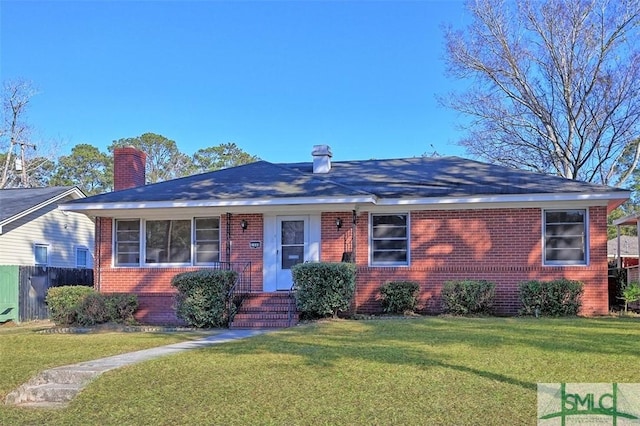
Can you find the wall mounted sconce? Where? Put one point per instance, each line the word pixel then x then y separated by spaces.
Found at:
pixel 243 225
pixel 338 223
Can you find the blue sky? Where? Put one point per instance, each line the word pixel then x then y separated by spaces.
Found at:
pixel 276 77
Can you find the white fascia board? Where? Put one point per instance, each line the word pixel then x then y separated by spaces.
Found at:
pixel 264 202
pixel 74 192
pixel 500 201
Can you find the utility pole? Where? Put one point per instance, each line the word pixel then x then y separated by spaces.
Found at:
pixel 22 163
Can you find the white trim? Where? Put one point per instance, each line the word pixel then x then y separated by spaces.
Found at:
pixel 370 240
pixel 366 203
pixel 248 202
pixel 86 249
pixel 587 240
pixel 35 258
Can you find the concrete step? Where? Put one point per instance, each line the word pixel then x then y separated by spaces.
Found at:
pixel 245 316
pixel 261 324
pixel 42 393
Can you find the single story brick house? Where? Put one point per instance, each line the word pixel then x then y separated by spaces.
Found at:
pixel 423 219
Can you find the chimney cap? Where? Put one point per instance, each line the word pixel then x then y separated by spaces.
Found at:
pixel 321 150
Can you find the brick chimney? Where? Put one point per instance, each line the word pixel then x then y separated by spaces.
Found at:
pixel 321 158
pixel 128 168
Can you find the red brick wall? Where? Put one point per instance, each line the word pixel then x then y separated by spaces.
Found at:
pixel 501 245
pixel 153 284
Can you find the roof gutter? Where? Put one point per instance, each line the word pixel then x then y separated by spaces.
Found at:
pixel 304 201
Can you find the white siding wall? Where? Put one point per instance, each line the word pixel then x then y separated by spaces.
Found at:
pixel 63 232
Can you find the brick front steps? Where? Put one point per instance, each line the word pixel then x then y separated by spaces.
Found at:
pixel 266 310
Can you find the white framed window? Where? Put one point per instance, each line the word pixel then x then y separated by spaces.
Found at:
pixel 565 239
pixel 41 254
pixel 82 257
pixel 206 240
pixel 166 242
pixel 389 239
pixel 127 242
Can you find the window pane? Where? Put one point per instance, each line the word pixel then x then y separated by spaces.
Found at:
pixel 81 258
pixel 293 232
pixel 390 256
pixel 168 241
pixel 389 239
pixel 565 236
pixel 292 255
pixel 207 240
pixel 127 242
pixel 41 256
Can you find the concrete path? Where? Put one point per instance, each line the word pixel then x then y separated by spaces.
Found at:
pixel 54 388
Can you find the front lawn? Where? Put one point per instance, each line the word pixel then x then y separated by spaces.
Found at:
pixel 435 370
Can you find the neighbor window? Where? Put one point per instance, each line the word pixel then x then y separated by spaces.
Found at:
pixel 41 253
pixel 565 237
pixel 127 242
pixel 389 239
pixel 82 257
pixel 207 240
pixel 168 241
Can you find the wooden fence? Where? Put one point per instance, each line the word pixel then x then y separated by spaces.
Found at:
pixel 32 284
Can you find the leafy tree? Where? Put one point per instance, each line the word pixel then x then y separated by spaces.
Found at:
pixel 553 85
pixel 220 157
pixel 86 167
pixel 164 160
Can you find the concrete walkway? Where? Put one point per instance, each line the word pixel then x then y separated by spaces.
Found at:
pixel 54 388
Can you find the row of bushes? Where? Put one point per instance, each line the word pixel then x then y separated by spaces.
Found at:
pixel 551 298
pixel 81 305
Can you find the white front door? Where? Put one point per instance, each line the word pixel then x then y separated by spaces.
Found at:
pixel 293 243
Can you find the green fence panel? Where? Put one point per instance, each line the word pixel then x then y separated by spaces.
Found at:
pixel 9 285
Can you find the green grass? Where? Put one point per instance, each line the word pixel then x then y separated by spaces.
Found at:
pixel 436 370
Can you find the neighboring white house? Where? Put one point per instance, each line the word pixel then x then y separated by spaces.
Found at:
pixel 34 232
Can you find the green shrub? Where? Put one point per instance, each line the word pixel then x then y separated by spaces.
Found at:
pixel 202 297
pixel 399 297
pixel 92 310
pixel 63 303
pixel 630 294
pixel 466 297
pixel 121 307
pixel 551 298
pixel 323 289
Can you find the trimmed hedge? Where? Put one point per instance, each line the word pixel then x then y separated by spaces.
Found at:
pixel 81 305
pixel 323 289
pixel 466 297
pixel 399 297
pixel 63 302
pixel 550 298
pixel 202 295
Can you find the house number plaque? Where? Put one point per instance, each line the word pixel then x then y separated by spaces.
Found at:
pixel 254 244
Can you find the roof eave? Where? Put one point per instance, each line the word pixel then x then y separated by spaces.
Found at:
pixel 305 201
pixel 74 192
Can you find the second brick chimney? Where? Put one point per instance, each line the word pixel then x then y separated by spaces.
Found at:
pixel 128 168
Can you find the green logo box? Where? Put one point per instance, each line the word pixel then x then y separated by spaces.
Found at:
pixel 566 404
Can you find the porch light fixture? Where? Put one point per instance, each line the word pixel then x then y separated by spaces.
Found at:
pixel 243 225
pixel 338 223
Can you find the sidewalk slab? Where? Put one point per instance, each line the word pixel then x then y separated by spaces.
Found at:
pixel 54 388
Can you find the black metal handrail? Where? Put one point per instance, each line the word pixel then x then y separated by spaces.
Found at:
pixel 240 289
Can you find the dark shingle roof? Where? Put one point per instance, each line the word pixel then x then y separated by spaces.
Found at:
pixel 16 200
pixel 419 177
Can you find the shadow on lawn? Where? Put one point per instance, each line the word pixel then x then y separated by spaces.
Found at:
pixel 432 342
